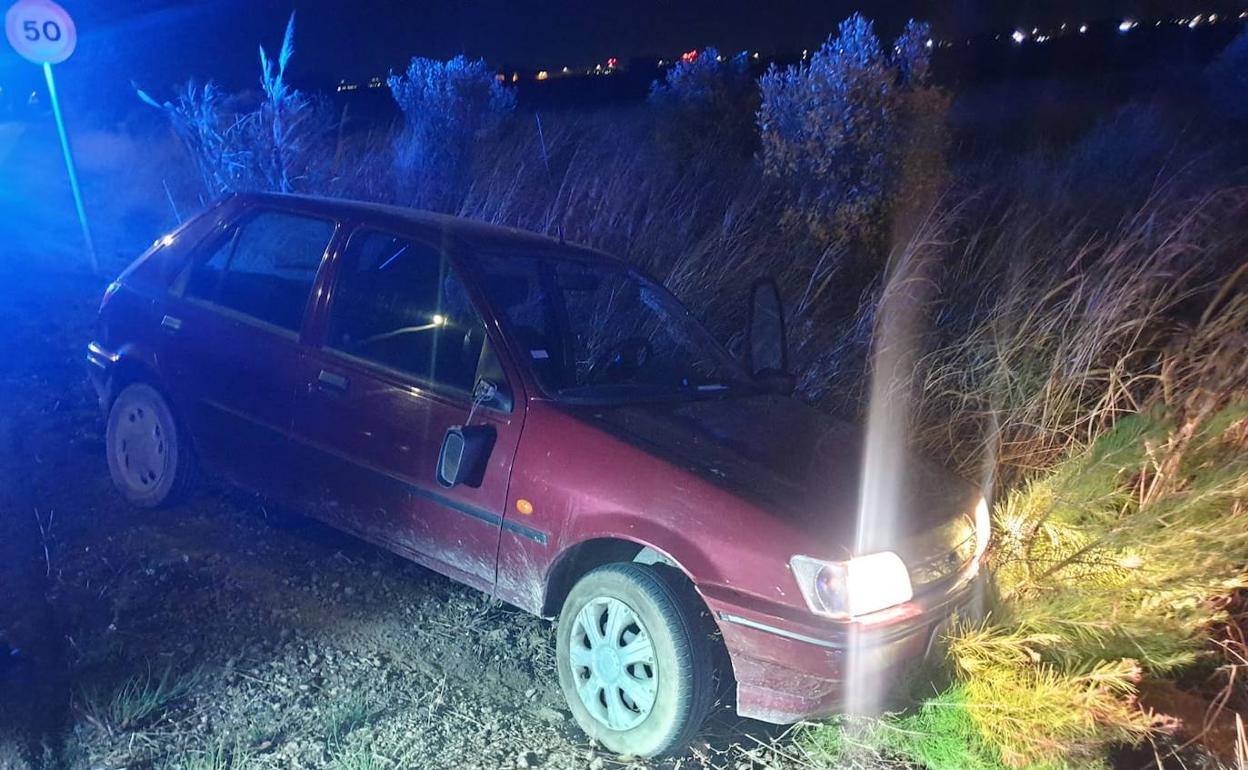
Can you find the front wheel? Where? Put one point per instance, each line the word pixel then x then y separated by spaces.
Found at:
pixel 149 459
pixel 634 661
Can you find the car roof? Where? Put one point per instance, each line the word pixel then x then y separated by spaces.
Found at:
pixel 478 236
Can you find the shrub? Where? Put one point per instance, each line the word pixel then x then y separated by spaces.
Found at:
pixel 833 128
pixel 704 108
pixel 197 116
pixel 447 107
pixel 1109 566
pixel 288 130
pixel 278 144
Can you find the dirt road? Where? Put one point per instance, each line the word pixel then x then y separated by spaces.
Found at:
pixel 225 634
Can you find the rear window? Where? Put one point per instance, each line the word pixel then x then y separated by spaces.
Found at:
pixel 264 268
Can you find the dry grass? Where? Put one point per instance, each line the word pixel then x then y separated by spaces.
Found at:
pixel 1067 328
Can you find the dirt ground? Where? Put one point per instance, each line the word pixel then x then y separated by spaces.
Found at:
pixel 223 633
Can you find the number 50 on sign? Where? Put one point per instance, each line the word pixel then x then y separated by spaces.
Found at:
pixel 41 31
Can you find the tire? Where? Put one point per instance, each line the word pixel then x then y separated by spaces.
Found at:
pixel 627 602
pixel 149 458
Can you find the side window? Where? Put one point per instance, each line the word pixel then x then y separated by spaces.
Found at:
pixel 265 268
pixel 398 304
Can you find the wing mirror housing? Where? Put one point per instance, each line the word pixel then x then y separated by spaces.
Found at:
pixel 765 339
pixel 465 454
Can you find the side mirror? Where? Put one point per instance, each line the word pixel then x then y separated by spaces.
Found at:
pixel 465 454
pixel 765 339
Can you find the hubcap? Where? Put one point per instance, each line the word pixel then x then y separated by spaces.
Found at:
pixel 613 665
pixel 141 447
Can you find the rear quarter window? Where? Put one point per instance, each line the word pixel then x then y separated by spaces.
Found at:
pixel 264 268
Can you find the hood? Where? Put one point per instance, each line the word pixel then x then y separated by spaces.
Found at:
pixel 798 464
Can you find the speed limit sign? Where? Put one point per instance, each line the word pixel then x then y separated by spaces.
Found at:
pixel 41 31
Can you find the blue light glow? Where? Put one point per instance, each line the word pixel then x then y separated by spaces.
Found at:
pixel 69 166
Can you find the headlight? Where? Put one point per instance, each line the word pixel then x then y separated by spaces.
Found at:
pixel 983 527
pixel 860 586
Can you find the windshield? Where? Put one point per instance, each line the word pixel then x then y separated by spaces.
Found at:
pixel 601 332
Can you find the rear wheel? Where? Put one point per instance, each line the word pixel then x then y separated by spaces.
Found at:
pixel 634 662
pixel 148 458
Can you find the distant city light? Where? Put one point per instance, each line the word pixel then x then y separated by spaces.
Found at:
pixel 1018 36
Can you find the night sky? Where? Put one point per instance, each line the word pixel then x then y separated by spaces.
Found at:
pixel 159 43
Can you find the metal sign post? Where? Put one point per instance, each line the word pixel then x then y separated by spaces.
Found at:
pixel 42 32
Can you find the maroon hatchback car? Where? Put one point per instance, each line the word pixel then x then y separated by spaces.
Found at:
pixel 543 423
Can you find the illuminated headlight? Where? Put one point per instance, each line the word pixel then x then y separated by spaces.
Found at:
pixel 847 589
pixel 983 527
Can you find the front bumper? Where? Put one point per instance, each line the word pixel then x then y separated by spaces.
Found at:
pixel 790 668
pixel 100 363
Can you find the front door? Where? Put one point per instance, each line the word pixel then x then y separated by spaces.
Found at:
pixel 230 341
pixel 402 348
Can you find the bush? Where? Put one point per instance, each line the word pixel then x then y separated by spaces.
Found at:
pixel 447 108
pixel 833 129
pixel 282 143
pixel 705 107
pixel 1109 567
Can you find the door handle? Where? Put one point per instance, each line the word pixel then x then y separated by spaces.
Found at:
pixel 332 381
pixel 171 323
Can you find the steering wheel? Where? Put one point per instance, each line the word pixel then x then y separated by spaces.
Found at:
pixel 622 360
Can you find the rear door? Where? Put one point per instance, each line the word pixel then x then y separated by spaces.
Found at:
pixel 400 349
pixel 232 336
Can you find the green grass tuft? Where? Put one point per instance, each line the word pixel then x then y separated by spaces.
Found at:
pixel 140 700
